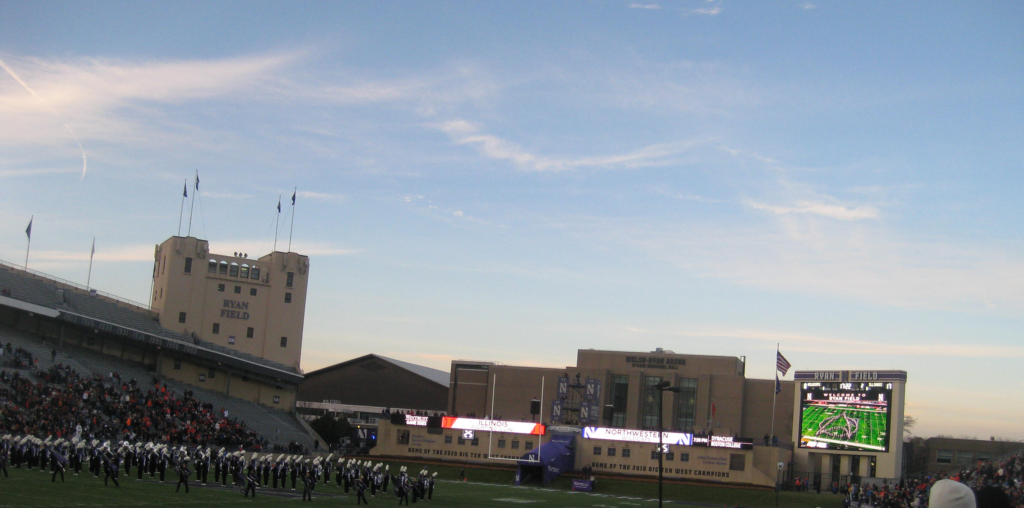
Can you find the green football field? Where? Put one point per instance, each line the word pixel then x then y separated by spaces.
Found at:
pixel 484 488
pixel 871 432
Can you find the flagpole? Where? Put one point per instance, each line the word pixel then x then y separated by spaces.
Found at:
pixel 277 222
pixel 88 281
pixel 29 246
pixel 290 228
pixel 182 211
pixel 193 205
pixel 775 392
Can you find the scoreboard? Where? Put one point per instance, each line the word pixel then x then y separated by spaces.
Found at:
pixel 852 415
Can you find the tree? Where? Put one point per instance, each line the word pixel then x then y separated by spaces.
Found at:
pixel 331 429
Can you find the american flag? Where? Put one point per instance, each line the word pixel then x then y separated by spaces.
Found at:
pixel 782 363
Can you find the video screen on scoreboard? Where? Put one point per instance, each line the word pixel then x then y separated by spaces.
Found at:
pixel 845 416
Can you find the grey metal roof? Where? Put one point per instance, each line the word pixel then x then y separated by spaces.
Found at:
pixel 438 376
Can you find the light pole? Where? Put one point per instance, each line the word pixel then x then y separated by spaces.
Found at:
pixel 662 387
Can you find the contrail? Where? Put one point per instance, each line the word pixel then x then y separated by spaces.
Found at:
pixel 10 71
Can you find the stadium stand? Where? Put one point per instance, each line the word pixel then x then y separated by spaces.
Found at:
pixel 277 427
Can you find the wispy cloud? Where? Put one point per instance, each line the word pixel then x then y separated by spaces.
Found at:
pixel 494 147
pixel 821 209
pixel 808 6
pixel 827 345
pixel 321 196
pixel 636 5
pixel 707 11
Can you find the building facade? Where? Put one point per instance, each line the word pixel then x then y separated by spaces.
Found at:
pixel 253 306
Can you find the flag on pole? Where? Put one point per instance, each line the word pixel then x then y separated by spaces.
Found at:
pixel 293 197
pixel 778 385
pixel 185 195
pixel 93 253
pixel 28 230
pixel 781 363
pixel 197 179
pixel 278 205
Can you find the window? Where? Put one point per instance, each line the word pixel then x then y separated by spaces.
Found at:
pixel 163 266
pixel 964 458
pixel 244 272
pixel 220 287
pixel 651 416
pixel 223 270
pixel 255 273
pixel 177 364
pixel 403 436
pixel 284 341
pixel 625 453
pixel 476 441
pixel 529 445
pixel 238 290
pixel 944 456
pixel 670 456
pixel 515 445
pixel 252 291
pixel 202 378
pixel 611 452
pixel 737 462
pixel 448 439
pixel 597 451
pixel 181 317
pixel 287 298
pixel 213 373
pixel 684 457
pixel 216 328
pixel 188 265
pixel 620 392
pixel 686 413
pixel 654 454
pixel 212 268
pixel 501 443
pixel 277 399
pixel 462 440
pixel 291 279
pixel 249 332
pixel 234 270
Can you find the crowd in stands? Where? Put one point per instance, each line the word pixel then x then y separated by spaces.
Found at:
pixel 995 484
pixel 61 403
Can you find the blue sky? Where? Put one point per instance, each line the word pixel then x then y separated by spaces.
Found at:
pixel 516 181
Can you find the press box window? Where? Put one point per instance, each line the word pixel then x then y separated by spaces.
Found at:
pixel 181 317
pixel 212 267
pixel 476 441
pixel 220 287
pixel 462 440
pixel 501 443
pixel 684 457
pixel 448 439
pixel 515 445
pixel 238 290
pixel 244 272
pixel 177 364
pixel 188 265
pixel 737 462
pixel 944 456
pixel 611 452
pixel 654 454
pixel 287 298
pixel 252 292
pixel 234 270
pixel 291 279
pixel 625 453
pixel 249 332
pixel 670 456
pixel 216 328
pixel 254 274
pixel 597 451
pixel 284 341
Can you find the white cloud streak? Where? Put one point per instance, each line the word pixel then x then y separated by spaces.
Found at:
pixel 820 209
pixel 636 5
pixel 463 132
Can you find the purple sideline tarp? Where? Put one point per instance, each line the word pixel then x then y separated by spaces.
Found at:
pixel 557 456
pixel 583 485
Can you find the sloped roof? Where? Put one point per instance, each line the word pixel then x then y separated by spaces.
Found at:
pixel 438 376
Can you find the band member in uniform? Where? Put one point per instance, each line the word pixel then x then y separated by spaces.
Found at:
pixel 250 485
pixel 183 472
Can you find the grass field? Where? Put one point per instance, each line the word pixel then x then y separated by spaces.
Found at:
pixel 871 432
pixel 486 488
